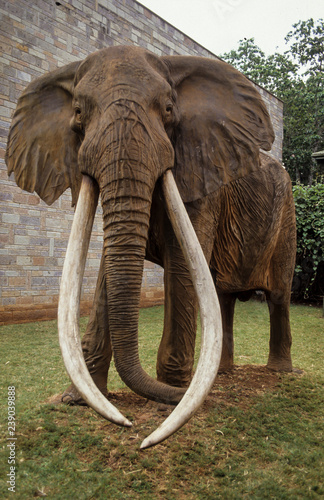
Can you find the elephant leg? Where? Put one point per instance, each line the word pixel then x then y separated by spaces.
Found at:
pixel 227 305
pixel 176 352
pixel 278 296
pixel 96 345
pixel 177 348
pixel 280 336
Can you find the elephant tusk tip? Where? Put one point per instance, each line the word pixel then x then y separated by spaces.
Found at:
pixel 124 422
pixel 148 442
pixel 145 444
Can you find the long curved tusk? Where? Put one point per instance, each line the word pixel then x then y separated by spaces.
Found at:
pixel 69 304
pixel 211 342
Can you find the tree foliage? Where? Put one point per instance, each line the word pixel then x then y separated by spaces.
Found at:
pixel 297 78
pixel 274 72
pixel 309 272
pixel 308 45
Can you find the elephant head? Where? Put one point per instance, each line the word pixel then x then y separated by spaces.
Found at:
pixel 124 117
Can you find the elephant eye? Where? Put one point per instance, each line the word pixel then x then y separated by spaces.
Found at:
pixel 169 109
pixel 76 121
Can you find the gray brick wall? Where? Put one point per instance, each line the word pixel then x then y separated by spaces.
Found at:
pixel 37 37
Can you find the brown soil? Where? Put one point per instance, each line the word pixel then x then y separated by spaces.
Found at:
pixel 238 387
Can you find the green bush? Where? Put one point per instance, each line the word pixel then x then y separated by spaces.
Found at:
pixel 308 281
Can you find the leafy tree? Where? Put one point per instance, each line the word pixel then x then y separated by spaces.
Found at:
pixel 308 45
pixel 297 78
pixel 309 272
pixel 274 73
pixel 305 132
pixel 303 128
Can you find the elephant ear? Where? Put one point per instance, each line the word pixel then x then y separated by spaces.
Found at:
pixel 42 149
pixel 223 123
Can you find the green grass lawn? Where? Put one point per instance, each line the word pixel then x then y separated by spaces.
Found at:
pixel 257 441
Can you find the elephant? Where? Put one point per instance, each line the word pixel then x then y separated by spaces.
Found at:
pixel 124 118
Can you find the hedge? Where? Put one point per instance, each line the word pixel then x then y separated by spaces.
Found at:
pixel 308 281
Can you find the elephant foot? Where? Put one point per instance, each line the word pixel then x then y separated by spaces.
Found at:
pixel 223 368
pixel 294 371
pixel 280 365
pixel 72 397
pixel 164 407
pixel 175 381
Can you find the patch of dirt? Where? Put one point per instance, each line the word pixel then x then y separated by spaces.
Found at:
pixel 238 387
pixel 235 387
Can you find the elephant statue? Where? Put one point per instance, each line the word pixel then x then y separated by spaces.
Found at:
pixel 123 119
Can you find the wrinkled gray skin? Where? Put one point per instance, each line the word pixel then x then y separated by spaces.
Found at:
pixel 124 116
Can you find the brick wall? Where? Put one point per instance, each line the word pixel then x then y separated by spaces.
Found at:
pixel 37 37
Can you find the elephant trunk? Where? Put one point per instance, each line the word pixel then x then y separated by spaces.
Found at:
pixel 126 223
